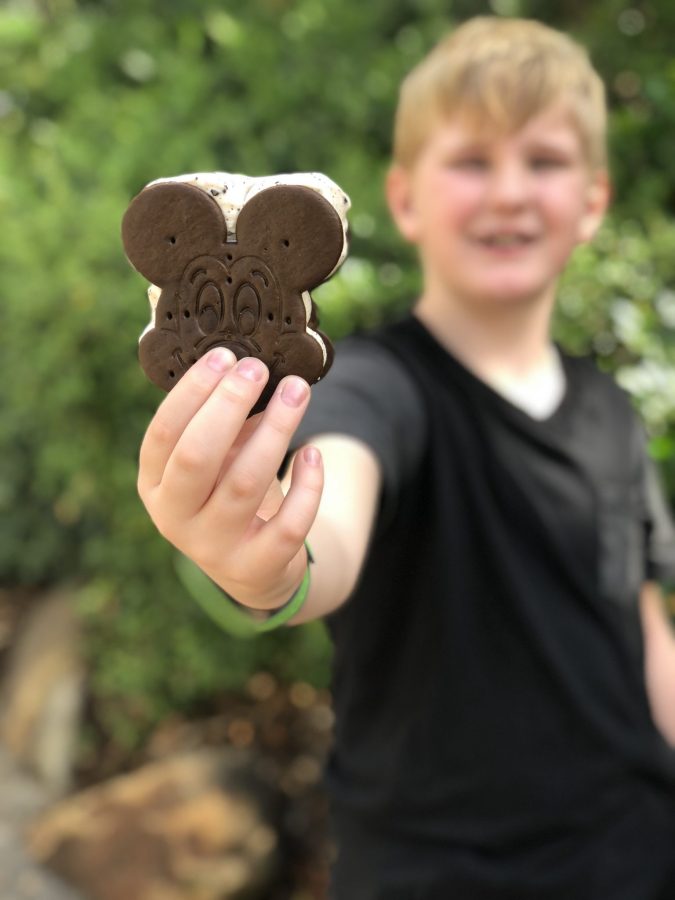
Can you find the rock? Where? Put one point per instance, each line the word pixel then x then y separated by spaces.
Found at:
pixel 200 826
pixel 42 691
pixel 21 798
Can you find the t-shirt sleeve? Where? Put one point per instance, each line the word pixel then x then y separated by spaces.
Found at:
pixel 369 395
pixel 660 554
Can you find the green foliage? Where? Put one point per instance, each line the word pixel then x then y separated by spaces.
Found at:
pixel 617 302
pixel 100 98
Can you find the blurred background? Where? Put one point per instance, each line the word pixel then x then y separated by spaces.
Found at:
pixel 168 758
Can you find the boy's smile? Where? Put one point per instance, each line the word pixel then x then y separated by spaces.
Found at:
pixel 496 215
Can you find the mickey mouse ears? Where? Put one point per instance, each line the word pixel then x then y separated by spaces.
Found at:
pixel 291 227
pixel 297 228
pixel 166 226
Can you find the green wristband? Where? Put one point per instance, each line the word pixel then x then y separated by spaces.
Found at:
pixel 228 613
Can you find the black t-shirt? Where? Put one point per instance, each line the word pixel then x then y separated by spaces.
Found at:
pixel 492 724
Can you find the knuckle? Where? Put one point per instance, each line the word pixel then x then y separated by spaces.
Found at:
pixel 200 380
pixel 160 432
pixel 315 488
pixel 243 484
pixel 308 487
pixel 233 390
pixel 190 459
pixel 199 386
pixel 293 532
pixel 280 425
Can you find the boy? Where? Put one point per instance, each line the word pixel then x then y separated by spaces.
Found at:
pixel 488 521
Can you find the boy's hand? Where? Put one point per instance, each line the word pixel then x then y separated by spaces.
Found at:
pixel 208 477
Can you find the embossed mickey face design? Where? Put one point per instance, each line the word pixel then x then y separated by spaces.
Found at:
pixel 245 294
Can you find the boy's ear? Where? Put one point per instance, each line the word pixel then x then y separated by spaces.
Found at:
pixel 598 197
pixel 398 189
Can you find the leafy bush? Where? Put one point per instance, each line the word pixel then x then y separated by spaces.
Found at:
pixel 616 302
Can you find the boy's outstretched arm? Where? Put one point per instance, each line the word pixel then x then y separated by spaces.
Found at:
pixel 659 640
pixel 208 477
pixel 341 531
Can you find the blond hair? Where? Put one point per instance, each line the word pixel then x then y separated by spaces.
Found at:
pixel 501 72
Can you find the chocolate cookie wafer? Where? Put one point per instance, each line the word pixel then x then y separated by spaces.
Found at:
pixel 231 261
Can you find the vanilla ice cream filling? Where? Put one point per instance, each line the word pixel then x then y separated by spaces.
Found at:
pixel 231 191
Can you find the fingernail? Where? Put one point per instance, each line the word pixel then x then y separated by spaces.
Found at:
pixel 220 359
pixel 311 456
pixel 294 391
pixel 251 368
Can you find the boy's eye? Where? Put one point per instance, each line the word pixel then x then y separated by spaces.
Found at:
pixel 470 163
pixel 548 162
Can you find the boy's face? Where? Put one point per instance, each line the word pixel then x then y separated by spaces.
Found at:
pixel 495 216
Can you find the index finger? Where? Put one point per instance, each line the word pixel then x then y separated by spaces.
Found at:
pixel 176 411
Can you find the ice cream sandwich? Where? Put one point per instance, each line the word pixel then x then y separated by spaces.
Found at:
pixel 231 261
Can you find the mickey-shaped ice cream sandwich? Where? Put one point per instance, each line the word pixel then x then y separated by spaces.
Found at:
pixel 232 260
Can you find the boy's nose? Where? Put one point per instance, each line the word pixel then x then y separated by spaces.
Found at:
pixel 509 184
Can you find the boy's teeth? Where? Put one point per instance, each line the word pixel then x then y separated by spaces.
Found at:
pixel 506 239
